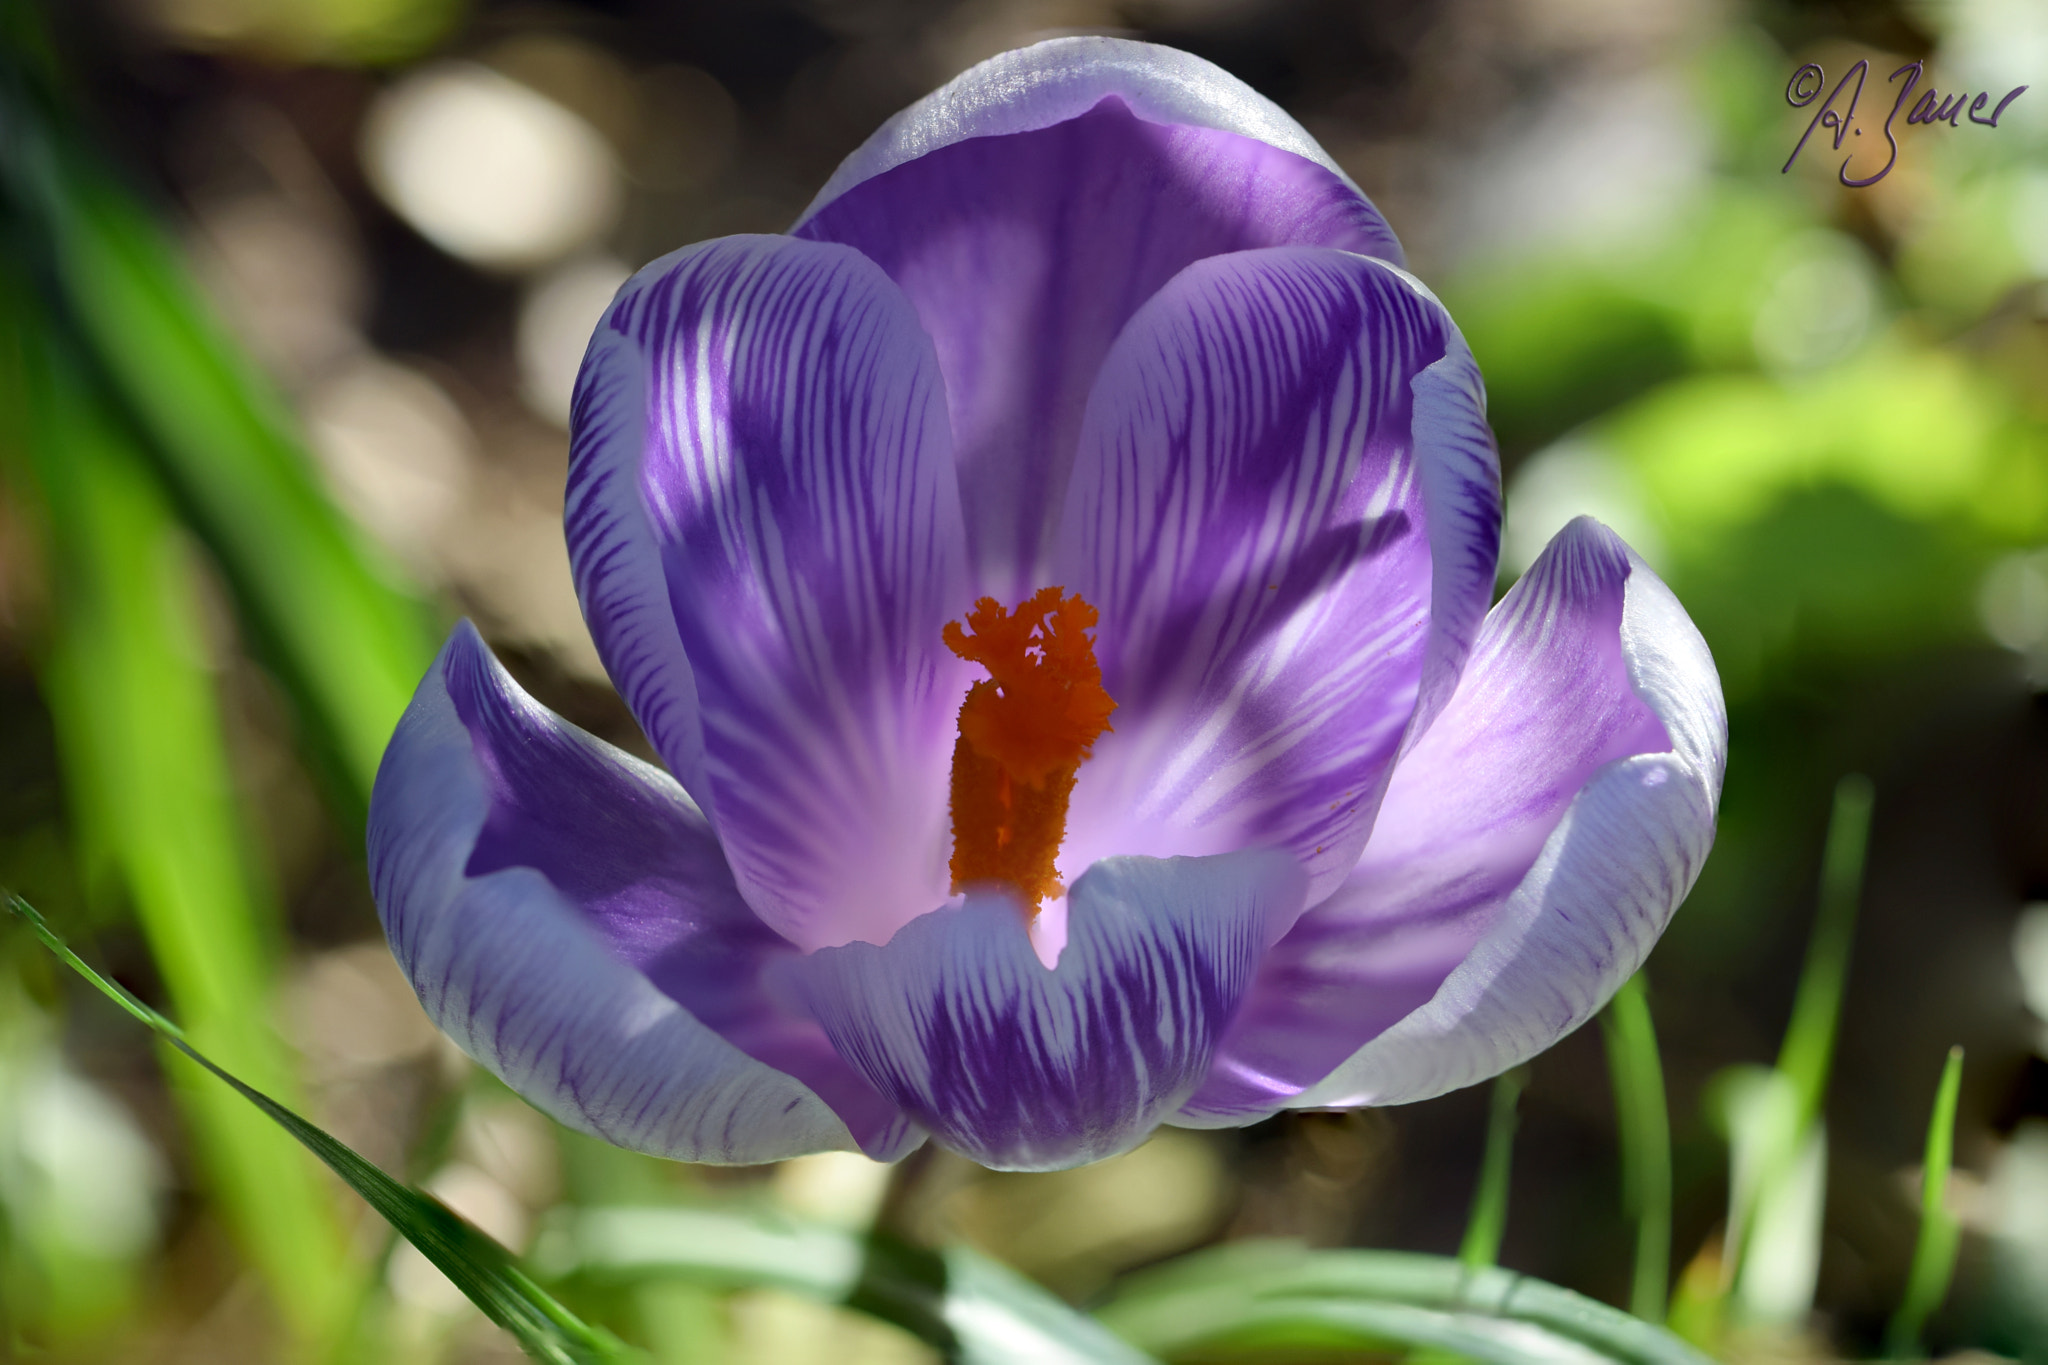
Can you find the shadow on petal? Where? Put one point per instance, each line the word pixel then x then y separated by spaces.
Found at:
pixel 565 915
pixel 1022 1067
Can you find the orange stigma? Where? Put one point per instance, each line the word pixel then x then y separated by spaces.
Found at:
pixel 1024 732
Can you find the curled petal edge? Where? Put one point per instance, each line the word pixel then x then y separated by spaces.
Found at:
pixel 1459 469
pixel 506 967
pixel 1584 917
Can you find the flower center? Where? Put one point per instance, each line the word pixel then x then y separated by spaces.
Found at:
pixel 1024 733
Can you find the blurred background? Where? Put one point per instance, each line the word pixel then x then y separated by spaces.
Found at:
pixel 1821 413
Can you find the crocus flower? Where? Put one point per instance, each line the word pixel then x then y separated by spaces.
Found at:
pixel 1055 576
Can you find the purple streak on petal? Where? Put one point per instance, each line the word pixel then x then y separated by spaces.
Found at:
pixel 616 559
pixel 1460 477
pixel 1022 1067
pixel 768 550
pixel 1274 461
pixel 1029 88
pixel 623 845
pixel 1581 923
pixel 565 916
pixel 1529 851
pixel 1025 255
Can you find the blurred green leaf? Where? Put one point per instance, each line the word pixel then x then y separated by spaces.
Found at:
pixel 127 676
pixel 1925 433
pixel 1559 346
pixel 349 644
pixel 1934 1254
pixel 482 1269
pixel 1821 585
pixel 1566 334
pixel 971 1309
pixel 1258 1300
pixel 367 32
pixel 1777 1197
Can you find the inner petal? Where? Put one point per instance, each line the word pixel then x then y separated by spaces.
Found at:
pixel 1254 507
pixel 1024 256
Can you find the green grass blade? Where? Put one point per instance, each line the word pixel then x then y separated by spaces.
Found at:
pixel 348 645
pixel 969 1308
pixel 126 677
pixel 1934 1254
pixel 1772 1118
pixel 1489 1217
pixel 1644 1121
pixel 1809 1047
pixel 1265 1300
pixel 482 1269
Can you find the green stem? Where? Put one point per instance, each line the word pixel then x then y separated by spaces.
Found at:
pixel 1644 1121
pixel 1809 1047
pixel 1481 1247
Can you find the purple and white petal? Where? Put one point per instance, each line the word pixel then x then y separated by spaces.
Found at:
pixel 1286 509
pixel 1050 82
pixel 1459 470
pixel 1027 1067
pixel 615 558
pixel 567 918
pixel 1030 209
pixel 1530 850
pixel 765 526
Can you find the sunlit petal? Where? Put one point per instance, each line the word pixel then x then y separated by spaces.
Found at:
pixel 1530 850
pixel 765 527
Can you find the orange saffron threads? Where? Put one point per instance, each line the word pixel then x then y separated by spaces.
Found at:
pixel 1024 733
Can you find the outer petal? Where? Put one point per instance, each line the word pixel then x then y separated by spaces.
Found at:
pixel 1286 508
pixel 1024 1067
pixel 765 527
pixel 567 918
pixel 1032 206
pixel 1035 87
pixel 1530 850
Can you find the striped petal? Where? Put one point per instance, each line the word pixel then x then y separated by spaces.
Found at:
pixel 1025 1067
pixel 1531 848
pixel 764 522
pixel 1031 207
pixel 567 918
pixel 1287 510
